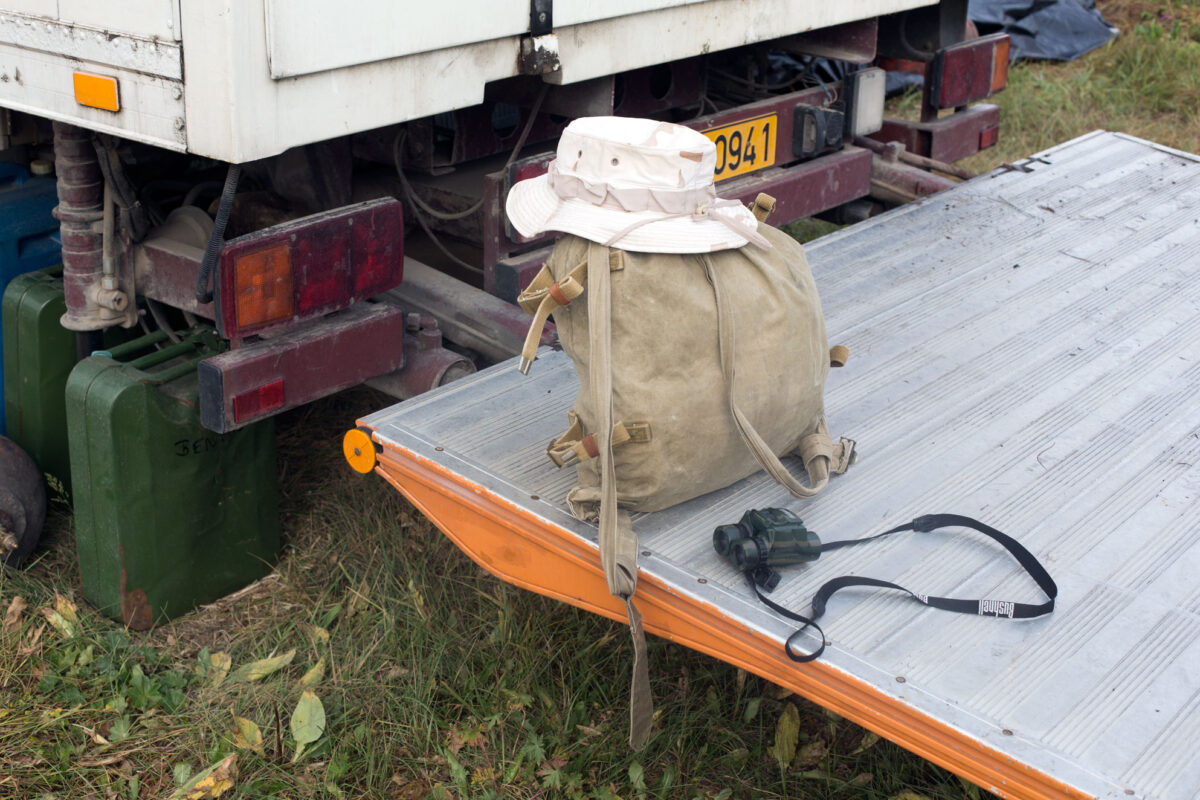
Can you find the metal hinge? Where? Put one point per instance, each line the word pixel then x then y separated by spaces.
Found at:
pixel 539 50
pixel 541 17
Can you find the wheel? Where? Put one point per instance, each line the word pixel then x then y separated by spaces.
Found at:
pixel 22 503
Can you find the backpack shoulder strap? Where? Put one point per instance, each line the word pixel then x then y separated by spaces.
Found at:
pixel 819 453
pixel 618 543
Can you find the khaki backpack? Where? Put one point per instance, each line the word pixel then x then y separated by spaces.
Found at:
pixel 702 368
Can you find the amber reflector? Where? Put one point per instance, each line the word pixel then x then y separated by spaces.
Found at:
pixel 97 91
pixel 263 286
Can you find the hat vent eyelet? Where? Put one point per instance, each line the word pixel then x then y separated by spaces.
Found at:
pixel 615 161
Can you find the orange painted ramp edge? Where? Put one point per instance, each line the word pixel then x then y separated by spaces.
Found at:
pixel 525 550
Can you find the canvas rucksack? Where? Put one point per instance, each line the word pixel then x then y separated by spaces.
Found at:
pixel 701 367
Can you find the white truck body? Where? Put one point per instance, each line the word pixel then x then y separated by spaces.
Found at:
pixel 239 80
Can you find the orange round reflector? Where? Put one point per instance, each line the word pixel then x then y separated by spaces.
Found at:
pixel 359 450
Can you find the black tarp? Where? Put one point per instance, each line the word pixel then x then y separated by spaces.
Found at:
pixel 1055 30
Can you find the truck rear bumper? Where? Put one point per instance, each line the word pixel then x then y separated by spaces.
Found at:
pixel 308 362
pixel 948 139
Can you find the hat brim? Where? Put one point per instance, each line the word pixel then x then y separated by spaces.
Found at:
pixel 534 209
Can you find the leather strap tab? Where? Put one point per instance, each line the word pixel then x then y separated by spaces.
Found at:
pixel 556 292
pixel 574 446
pixel 762 206
pixel 540 299
pixel 531 297
pixel 589 445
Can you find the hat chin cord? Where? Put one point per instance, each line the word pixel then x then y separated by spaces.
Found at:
pixel 704 211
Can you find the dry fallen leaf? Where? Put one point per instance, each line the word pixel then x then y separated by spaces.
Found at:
pixel 812 753
pixel 247 735
pixel 32 642
pixel 218 667
pixel 787 733
pixel 308 722
pixel 314 675
pixel 93 735
pixel 257 670
pixel 869 740
pixel 12 617
pixel 908 794
pixel 359 596
pixel 62 616
pixel 211 783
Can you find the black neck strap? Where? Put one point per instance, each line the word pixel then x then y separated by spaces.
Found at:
pixel 984 608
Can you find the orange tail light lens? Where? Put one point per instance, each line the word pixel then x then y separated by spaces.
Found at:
pixel 263 281
pixel 1000 65
pixel 309 267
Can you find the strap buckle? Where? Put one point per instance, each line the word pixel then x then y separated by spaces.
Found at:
pixel 847 452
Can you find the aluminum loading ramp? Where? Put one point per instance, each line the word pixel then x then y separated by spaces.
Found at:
pixel 1025 350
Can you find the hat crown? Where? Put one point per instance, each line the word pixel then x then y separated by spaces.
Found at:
pixel 636 153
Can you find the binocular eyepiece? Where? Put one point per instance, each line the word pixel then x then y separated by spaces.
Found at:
pixel 764 539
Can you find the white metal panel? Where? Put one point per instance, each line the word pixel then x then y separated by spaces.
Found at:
pixel 1026 350
pixel 153 56
pixel 307 36
pixel 41 84
pixel 592 49
pixel 574 12
pixel 237 112
pixel 41 8
pixel 152 19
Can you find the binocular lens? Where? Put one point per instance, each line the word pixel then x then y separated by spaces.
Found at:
pixel 723 537
pixel 745 553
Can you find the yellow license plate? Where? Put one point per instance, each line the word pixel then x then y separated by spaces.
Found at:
pixel 745 146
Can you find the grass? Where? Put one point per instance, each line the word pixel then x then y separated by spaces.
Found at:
pixel 435 679
pixel 1145 83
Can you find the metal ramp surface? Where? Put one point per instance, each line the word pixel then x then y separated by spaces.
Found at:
pixel 1025 350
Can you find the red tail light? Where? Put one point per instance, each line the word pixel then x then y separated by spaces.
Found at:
pixel 309 267
pixel 256 402
pixel 970 71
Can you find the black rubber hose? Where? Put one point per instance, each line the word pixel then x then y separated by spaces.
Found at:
pixel 216 238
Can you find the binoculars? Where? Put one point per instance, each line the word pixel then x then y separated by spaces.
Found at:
pixel 764 539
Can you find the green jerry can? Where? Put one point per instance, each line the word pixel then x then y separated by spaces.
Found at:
pixel 168 515
pixel 38 356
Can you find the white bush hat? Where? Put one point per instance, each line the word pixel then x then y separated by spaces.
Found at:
pixel 637 184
